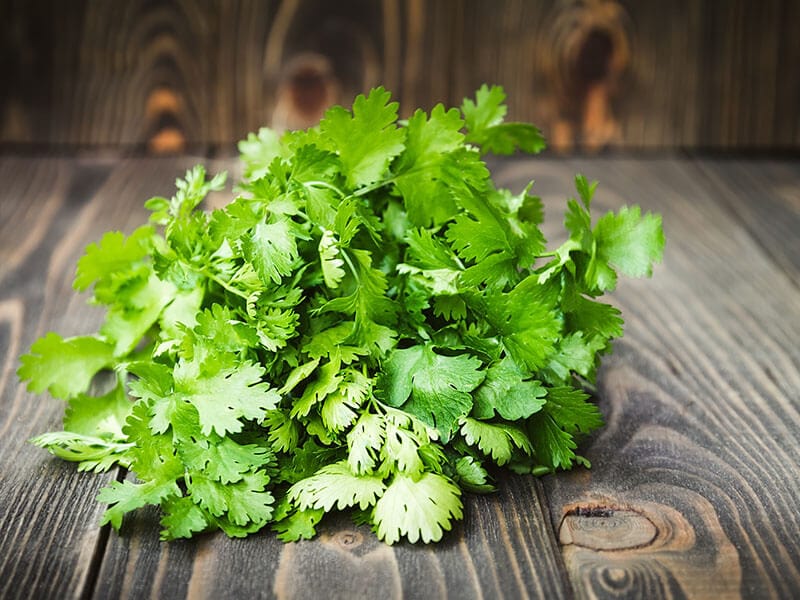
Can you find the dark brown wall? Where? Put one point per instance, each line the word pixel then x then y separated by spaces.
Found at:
pixel 188 74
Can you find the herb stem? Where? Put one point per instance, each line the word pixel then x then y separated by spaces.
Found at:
pixel 224 284
pixel 351 266
pixel 324 184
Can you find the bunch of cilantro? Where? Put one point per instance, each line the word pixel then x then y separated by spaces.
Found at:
pixel 370 325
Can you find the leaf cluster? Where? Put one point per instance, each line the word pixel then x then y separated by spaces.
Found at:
pixel 370 324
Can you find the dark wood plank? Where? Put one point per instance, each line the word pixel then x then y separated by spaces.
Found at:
pixel 696 476
pixel 49 211
pixel 177 75
pixel 167 76
pixel 765 196
pixel 48 516
pixel 639 74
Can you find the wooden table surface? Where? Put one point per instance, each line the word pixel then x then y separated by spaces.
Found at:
pixel 695 479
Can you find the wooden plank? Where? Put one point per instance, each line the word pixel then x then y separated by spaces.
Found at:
pixel 48 517
pixel 171 76
pixel 697 473
pixel 765 196
pixel 167 76
pixel 49 210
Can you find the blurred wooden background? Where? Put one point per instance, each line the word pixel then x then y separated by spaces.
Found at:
pixel 170 76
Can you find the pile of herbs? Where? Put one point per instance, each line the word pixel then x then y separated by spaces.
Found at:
pixel 369 325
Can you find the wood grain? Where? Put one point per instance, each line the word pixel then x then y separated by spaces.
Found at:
pixel 39 201
pixel 764 196
pixel 49 211
pixel 187 74
pixel 696 475
pixel 607 73
pixel 168 76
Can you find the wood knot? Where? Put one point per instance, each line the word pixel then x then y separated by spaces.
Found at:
pixel 307 89
pixel 616 577
pixel 162 110
pixel 348 540
pixel 606 528
pixel 591 51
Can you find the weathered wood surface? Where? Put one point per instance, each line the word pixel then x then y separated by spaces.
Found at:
pixel 695 477
pixel 176 74
pixel 765 197
pixel 697 474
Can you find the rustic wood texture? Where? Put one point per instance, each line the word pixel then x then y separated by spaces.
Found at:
pixel 697 473
pixel 188 74
pixel 694 480
pixel 46 221
pixel 764 196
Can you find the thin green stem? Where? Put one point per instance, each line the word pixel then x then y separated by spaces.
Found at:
pixel 224 284
pixel 372 187
pixel 350 264
pixel 325 184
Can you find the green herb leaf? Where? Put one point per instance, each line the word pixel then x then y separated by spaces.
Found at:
pixel 364 327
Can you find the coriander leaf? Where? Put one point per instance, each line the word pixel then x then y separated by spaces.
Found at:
pixel 258 151
pixel 366 139
pixel 112 254
pixel 431 386
pixel 471 475
pixel 224 398
pixel 629 241
pixel 228 333
pixel 552 446
pixel 528 321
pixel 485 127
pixel 224 460
pixel 591 317
pixel 126 496
pixel 585 189
pixel 284 432
pixel 299 525
pixel 575 353
pixel 506 138
pixel 327 383
pixel 272 250
pixel 339 408
pixel 182 518
pixel 428 252
pixel 244 502
pixel 487 110
pixel 401 449
pixel 335 485
pixel 136 308
pixel 90 452
pixel 152 455
pixel 506 391
pixel 419 509
pixel 496 440
pixel 569 408
pixel 364 440
pixel 64 367
pixel 419 180
pixel 99 415
pixel 332 270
